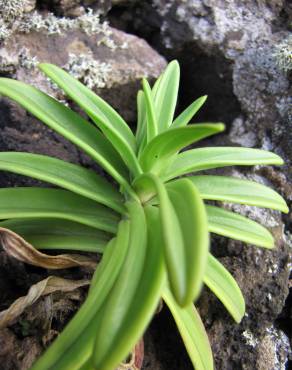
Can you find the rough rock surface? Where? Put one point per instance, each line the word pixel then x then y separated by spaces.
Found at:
pixel 108 61
pixel 234 51
pixel 239 53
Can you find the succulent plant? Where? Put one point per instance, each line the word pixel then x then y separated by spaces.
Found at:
pixel 151 223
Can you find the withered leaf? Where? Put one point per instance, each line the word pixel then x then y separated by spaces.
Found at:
pixel 17 247
pixel 44 287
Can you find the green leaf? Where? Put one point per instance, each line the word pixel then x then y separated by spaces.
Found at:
pixel 136 294
pixel 141 119
pixel 102 114
pixel 49 233
pixel 192 332
pixel 223 285
pixel 185 235
pixel 232 225
pixel 229 189
pixel 207 158
pixel 152 128
pixel 55 203
pixel 192 218
pixel 165 95
pixel 165 145
pixel 74 346
pixel 172 236
pixel 184 118
pixel 68 124
pixel 66 175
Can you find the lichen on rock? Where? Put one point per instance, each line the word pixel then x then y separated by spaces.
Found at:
pixel 283 54
pixel 91 72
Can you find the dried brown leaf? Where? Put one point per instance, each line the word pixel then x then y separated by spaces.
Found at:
pixel 15 246
pixel 44 287
pixel 136 358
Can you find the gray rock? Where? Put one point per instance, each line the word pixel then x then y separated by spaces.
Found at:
pixel 108 61
pixel 239 53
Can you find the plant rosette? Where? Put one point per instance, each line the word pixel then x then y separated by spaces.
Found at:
pixel 152 223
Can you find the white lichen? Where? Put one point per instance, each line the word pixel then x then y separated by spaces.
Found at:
pixel 5 32
pixel 278 345
pixel 89 23
pixel 283 54
pixel 92 73
pixel 249 338
pixel 25 59
pixel 12 9
pixel 51 24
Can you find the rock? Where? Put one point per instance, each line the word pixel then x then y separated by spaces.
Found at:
pixel 107 60
pixel 239 53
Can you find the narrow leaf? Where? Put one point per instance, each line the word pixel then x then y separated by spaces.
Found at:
pixel 141 119
pixel 68 124
pixel 192 218
pixel 192 332
pixel 165 145
pixel 73 348
pixel 185 234
pixel 172 235
pixel 184 118
pixel 165 95
pixel 54 203
pixel 49 233
pixel 151 122
pixel 66 175
pixel 17 247
pixel 124 289
pixel 104 116
pixel 223 285
pixel 232 225
pixel 127 320
pixel 206 158
pixel 235 190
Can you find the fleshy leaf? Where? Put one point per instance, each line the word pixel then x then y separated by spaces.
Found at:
pixel 49 233
pixel 74 347
pixel 66 175
pixel 103 115
pixel 185 235
pixel 184 118
pixel 135 296
pixel 165 95
pixel 68 124
pixel 192 218
pixel 223 285
pixel 232 225
pixel 152 128
pixel 206 158
pixel 54 203
pixel 192 331
pixel 165 145
pixel 230 189
pixel 141 119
